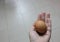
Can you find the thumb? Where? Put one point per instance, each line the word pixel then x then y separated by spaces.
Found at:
pixel 33 34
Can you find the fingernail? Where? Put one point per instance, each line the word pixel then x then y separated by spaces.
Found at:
pixel 48 15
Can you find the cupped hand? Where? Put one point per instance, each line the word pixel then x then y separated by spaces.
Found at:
pixel 34 36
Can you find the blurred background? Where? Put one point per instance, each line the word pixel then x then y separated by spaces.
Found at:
pixel 18 16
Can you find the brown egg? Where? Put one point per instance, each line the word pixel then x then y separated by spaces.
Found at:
pixel 40 26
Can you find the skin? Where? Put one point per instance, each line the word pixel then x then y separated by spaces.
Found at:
pixel 33 35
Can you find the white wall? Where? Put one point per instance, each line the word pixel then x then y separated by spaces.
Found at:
pixel 17 17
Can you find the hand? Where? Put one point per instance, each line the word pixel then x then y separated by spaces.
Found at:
pixel 33 35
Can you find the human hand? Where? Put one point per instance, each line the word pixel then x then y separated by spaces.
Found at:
pixel 35 37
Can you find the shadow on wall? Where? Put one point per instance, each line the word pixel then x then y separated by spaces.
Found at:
pixel 9 4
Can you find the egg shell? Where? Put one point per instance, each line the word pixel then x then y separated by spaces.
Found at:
pixel 40 26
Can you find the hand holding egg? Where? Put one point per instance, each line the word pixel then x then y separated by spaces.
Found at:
pixel 40 25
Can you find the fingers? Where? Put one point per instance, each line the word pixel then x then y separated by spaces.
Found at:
pixel 48 15
pixel 45 17
pixel 48 22
pixel 42 16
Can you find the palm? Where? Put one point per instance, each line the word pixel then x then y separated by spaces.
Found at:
pixel 34 37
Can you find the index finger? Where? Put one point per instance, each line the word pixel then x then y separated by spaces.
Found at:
pixel 42 16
